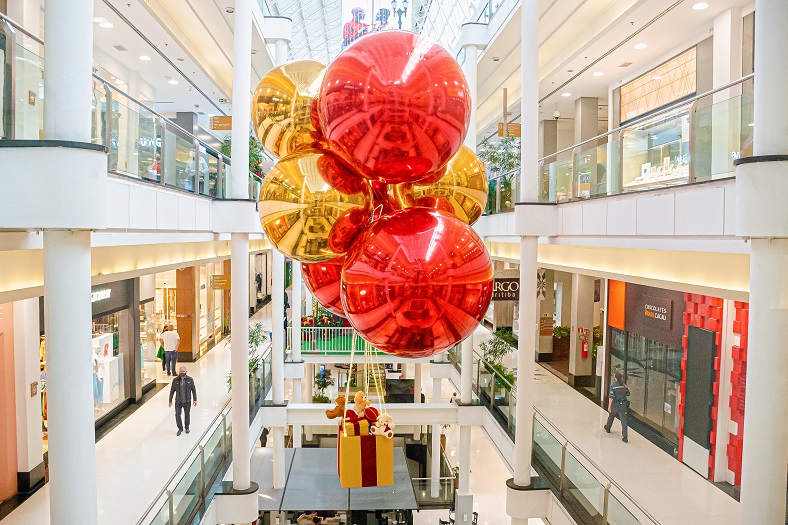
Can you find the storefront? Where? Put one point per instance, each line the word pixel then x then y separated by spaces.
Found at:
pixel 683 357
pixel 194 301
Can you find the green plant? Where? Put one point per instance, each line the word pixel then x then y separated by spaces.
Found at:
pixel 323 380
pixel 257 336
pixel 496 347
pixel 597 340
pixel 559 332
pixel 317 398
pixel 500 157
pixel 255 154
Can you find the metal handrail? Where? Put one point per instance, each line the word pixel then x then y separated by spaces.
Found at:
pixel 16 26
pixel 643 118
pixel 115 88
pixel 177 471
pixel 597 467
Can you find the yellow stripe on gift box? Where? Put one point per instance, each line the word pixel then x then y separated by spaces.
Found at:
pixel 350 462
pixel 384 450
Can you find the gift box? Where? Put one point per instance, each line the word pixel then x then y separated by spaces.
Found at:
pixel 365 461
pixel 356 426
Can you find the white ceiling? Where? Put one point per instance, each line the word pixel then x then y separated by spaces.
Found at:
pixel 595 34
pixel 317 26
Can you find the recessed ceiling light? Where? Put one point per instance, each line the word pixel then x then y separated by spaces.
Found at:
pixel 173 82
pixel 700 6
pixel 566 94
pixel 656 77
pixel 97 19
pixel 181 59
pixel 640 46
pixel 144 58
pixel 598 73
pixel 230 10
pixel 120 82
pixel 106 24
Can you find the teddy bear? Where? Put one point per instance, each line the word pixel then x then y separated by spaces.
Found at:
pixel 383 426
pixel 360 403
pixel 338 410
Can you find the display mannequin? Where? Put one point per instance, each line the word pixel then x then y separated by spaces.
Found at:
pixel 98 376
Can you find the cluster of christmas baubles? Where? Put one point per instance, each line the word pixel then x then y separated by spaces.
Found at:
pixel 374 192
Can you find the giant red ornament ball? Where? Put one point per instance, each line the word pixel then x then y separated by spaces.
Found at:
pixel 395 106
pixel 416 282
pixel 322 281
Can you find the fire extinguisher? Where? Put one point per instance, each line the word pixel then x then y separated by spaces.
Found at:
pixel 583 345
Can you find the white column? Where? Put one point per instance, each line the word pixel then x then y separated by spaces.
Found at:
pixel 435 462
pixel 67 113
pixel 529 192
pixel 765 454
pixel 437 384
pixel 466 386
pixel 242 101
pixel 417 395
pixel 466 370
pixel 239 244
pixel 726 67
pixel 239 360
pixel 278 362
pixel 72 452
pixel 30 457
pixel 280 56
pixel 306 394
pixel 469 68
pixel 295 343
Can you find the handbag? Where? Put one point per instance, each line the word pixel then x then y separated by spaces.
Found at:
pixel 160 353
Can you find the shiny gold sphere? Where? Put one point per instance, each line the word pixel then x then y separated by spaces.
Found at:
pixel 304 216
pixel 281 106
pixel 464 185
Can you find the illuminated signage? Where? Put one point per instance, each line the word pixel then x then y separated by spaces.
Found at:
pixel 100 295
pixel 658 311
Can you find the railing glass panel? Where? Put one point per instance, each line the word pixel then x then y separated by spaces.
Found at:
pixel 29 94
pixel 188 492
pixel 583 487
pixel 617 514
pixel 721 133
pixel 162 517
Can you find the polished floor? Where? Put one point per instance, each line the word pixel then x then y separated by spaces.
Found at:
pixel 136 459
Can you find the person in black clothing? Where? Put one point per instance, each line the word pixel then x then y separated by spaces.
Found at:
pixel 618 405
pixel 185 395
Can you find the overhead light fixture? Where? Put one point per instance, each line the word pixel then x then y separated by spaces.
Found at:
pixel 173 82
pixel 119 82
pixel 106 24
pixel 640 46
pixel 567 94
pixel 144 58
pixel 230 9
pixel 97 19
pixel 700 6
pixel 496 59
pixel 598 73
pixel 656 77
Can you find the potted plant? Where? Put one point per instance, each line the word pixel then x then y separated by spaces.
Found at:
pixel 257 336
pixel 560 343
pixel 444 428
pixel 323 380
pixel 494 350
pixel 501 159
pixel 255 155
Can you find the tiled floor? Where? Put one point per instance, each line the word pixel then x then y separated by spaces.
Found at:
pixel 135 460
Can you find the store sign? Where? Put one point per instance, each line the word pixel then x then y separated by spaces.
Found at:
pixel 513 129
pixel 506 289
pixel 220 282
pixel 100 295
pixel 546 326
pixel 222 122
pixel 658 311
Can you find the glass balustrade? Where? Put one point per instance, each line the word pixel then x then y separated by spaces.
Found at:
pixel 141 143
pixel 693 141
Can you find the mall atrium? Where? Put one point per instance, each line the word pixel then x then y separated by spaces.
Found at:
pixel 418 262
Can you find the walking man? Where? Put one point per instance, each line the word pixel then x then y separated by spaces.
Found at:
pixel 171 341
pixel 184 390
pixel 618 405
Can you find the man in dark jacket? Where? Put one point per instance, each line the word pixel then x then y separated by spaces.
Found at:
pixel 618 405
pixel 184 390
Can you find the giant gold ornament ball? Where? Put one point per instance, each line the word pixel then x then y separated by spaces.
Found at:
pixel 303 215
pixel 464 185
pixel 282 107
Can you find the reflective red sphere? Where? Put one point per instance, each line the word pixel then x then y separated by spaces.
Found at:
pixel 416 282
pixel 395 106
pixel 322 280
